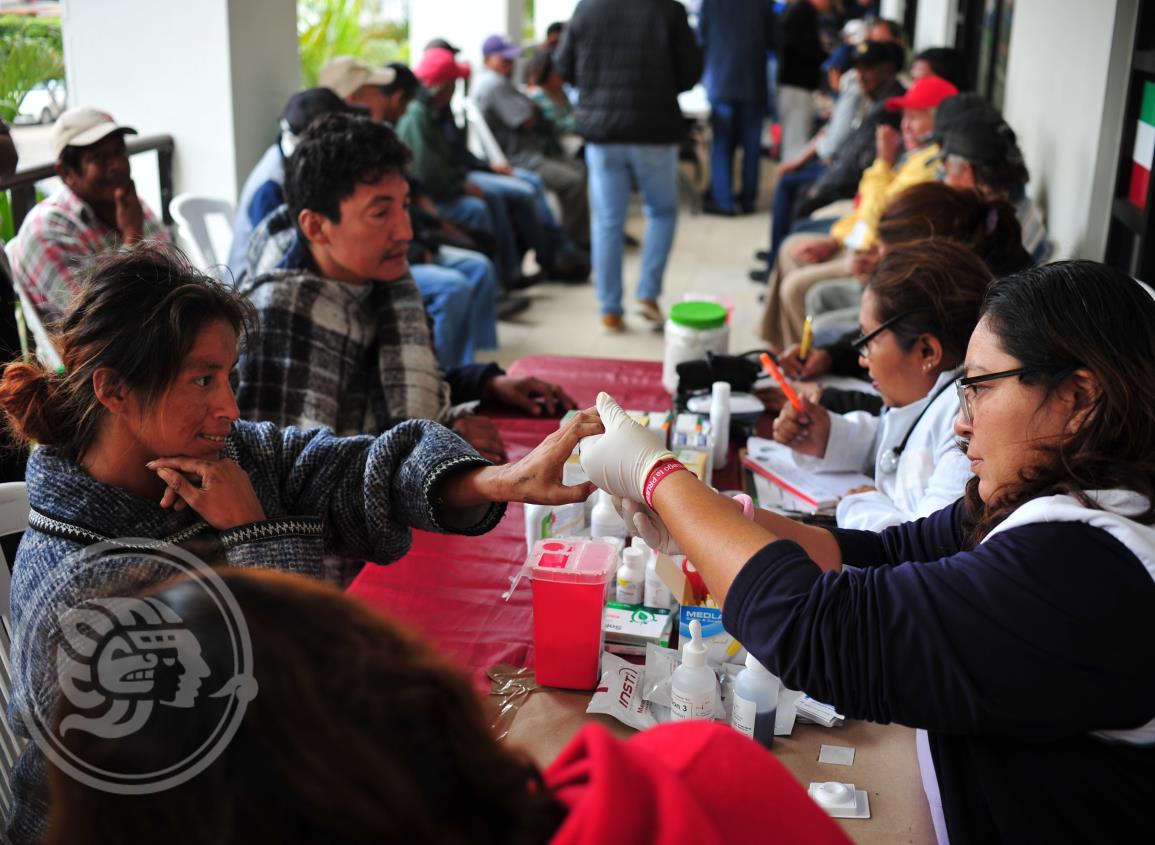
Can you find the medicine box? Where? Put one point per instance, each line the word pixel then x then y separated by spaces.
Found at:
pixel 634 624
pixel 721 647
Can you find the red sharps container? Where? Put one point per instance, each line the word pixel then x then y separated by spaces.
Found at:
pixel 569 592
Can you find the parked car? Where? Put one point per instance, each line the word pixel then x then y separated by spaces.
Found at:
pixel 43 103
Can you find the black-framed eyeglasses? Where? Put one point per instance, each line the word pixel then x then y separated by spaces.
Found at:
pixel 860 344
pixel 966 394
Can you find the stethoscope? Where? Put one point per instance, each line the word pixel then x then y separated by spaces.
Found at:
pixel 888 460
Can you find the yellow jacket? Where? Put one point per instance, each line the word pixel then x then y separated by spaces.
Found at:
pixel 880 184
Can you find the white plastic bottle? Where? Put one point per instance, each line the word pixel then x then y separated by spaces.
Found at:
pixel 604 521
pixel 720 421
pixel 538 524
pixel 755 703
pixel 657 594
pixel 631 576
pixel 693 685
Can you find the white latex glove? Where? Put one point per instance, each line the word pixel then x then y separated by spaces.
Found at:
pixel 620 460
pixel 644 523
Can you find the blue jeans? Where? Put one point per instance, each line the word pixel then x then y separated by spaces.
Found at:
pixel 735 125
pixel 524 200
pixel 468 211
pixel 612 168
pixel 460 293
pixel 785 194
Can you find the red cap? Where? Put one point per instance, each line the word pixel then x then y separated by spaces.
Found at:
pixel 438 67
pixel 927 93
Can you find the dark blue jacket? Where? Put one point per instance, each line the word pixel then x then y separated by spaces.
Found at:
pixel 1009 654
pixel 735 37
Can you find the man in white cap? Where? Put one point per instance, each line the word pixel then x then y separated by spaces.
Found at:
pixel 359 83
pixel 95 209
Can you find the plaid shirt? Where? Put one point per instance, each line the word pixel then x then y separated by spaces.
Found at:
pixel 355 358
pixel 57 237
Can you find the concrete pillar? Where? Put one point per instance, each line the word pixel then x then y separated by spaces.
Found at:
pixel 463 23
pixel 935 25
pixel 214 74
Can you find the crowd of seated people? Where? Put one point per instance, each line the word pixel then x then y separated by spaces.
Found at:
pixel 305 414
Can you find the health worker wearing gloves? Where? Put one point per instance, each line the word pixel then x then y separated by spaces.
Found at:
pixel 917 314
pixel 1012 625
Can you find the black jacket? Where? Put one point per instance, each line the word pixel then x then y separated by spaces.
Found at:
pixel 800 53
pixel 629 60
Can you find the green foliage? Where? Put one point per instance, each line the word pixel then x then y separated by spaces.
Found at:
pixel 31 51
pixel 330 28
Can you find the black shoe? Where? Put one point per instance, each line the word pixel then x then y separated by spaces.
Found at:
pixel 747 208
pixel 762 255
pixel 523 282
pixel 762 277
pixel 511 306
pixel 711 207
pixel 630 241
pixel 572 267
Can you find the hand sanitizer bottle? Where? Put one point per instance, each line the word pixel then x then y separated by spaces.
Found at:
pixel 755 702
pixel 693 685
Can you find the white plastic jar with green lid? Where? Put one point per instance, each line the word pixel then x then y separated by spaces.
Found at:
pixel 692 330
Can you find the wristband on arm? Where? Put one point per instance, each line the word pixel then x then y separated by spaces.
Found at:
pixel 663 468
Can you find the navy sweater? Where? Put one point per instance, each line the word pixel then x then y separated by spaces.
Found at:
pixel 1008 654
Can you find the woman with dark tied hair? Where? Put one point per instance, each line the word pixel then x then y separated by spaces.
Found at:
pixel 917 314
pixel 1012 624
pixel 139 438
pixel 361 733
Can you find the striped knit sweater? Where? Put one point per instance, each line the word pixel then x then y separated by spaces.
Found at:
pixel 331 503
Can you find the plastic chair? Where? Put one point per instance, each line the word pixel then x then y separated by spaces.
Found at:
pixel 13 523
pixel 206 224
pixel 481 140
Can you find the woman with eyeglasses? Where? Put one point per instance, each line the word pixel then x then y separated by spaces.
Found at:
pixel 1012 625
pixel 917 314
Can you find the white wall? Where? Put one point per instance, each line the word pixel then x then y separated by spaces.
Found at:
pixel 1066 82
pixel 935 24
pixel 463 23
pixel 214 74
pixel 546 12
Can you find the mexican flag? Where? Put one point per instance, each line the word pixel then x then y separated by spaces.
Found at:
pixel 1144 148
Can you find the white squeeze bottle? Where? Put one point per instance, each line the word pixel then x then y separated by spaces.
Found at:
pixel 693 685
pixel 631 576
pixel 604 521
pixel 755 702
pixel 720 421
pixel 657 594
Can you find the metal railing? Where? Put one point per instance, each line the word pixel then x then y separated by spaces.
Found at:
pixel 22 184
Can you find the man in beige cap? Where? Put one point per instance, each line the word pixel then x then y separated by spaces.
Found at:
pixel 95 209
pixel 359 83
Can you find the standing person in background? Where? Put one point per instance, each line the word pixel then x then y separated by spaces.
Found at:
pixel 735 35
pixel 800 57
pixel 630 61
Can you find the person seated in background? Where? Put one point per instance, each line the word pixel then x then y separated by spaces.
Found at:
pixel 918 311
pixel 363 732
pixel 526 138
pixel 901 160
pixel 990 230
pixel 458 286
pixel 1034 588
pixel 95 208
pixel 546 88
pixel 847 144
pixel 513 192
pixel 139 437
pixel 944 62
pixel 980 151
pixel 344 340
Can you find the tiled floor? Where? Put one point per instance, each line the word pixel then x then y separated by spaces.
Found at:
pixel 711 254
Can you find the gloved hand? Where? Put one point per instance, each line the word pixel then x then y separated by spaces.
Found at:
pixel 620 460
pixel 646 524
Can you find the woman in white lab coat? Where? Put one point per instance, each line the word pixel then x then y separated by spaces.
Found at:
pixel 917 314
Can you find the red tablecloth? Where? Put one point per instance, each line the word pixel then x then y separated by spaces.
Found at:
pixel 450 587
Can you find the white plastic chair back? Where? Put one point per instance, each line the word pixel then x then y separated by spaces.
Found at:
pixel 481 141
pixel 206 226
pixel 13 523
